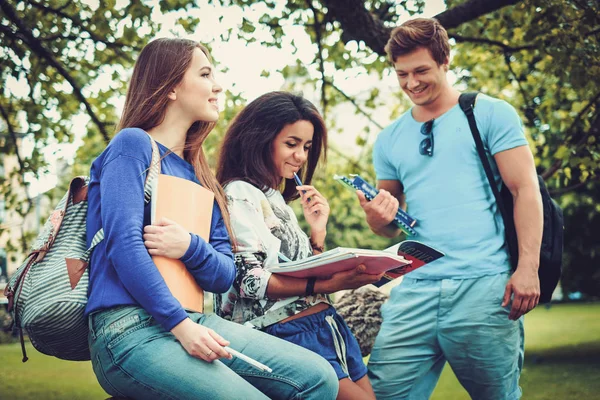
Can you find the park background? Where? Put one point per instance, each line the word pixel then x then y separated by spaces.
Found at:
pixel 65 65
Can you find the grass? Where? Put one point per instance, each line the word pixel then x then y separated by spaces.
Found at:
pixel 561 362
pixel 44 377
pixel 562 356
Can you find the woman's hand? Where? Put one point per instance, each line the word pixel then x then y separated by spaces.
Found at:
pixel 350 279
pixel 166 238
pixel 199 341
pixel 315 207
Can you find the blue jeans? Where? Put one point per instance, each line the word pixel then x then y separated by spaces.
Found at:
pixel 133 356
pixel 429 322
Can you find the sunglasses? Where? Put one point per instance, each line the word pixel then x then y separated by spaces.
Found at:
pixel 426 146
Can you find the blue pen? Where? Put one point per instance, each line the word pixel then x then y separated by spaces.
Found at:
pixel 299 183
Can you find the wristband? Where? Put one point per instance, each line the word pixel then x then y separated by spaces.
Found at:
pixel 310 286
pixel 314 246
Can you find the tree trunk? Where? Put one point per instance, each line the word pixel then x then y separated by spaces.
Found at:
pixel 359 24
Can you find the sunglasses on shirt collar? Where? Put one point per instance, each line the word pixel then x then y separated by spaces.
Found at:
pixel 426 145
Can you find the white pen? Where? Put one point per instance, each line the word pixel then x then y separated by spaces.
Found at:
pixel 249 360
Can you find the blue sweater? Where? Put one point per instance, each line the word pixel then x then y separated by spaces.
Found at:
pixel 121 269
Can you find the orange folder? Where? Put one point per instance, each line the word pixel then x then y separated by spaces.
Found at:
pixel 190 205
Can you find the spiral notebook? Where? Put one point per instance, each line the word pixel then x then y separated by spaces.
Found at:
pixel 355 182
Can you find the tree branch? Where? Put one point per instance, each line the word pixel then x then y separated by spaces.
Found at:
pixel 359 24
pixel 358 108
pixel 505 47
pixel 582 5
pixel 79 23
pixel 11 34
pixel 470 10
pixel 42 52
pixel 594 130
pixel 594 32
pixel 352 162
pixel 319 39
pixel 529 109
pixel 13 136
pixel 51 38
pixel 595 125
pixel 355 104
pixel 561 191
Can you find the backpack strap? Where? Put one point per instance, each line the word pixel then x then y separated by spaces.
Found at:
pixel 467 104
pixel 153 173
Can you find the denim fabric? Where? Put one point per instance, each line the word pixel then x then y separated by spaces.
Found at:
pixel 429 322
pixel 314 333
pixel 133 356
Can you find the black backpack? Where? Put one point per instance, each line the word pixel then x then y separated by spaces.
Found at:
pixel 552 239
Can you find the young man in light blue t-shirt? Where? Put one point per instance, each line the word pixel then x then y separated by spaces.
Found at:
pixel 465 308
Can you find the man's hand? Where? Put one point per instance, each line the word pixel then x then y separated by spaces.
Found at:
pixel 381 210
pixel 524 286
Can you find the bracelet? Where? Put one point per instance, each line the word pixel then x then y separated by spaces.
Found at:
pixel 310 286
pixel 314 246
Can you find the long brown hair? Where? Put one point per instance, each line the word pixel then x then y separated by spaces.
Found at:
pixel 160 67
pixel 246 152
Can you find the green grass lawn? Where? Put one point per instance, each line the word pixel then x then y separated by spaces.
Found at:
pixel 562 361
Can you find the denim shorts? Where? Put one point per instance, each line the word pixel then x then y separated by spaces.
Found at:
pixel 428 322
pixel 327 334
pixel 134 357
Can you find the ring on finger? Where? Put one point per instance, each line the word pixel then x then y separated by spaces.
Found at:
pixel 209 353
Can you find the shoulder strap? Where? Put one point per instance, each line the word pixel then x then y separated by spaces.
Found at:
pixel 467 104
pixel 153 172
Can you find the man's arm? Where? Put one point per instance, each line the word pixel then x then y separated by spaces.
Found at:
pixel 382 209
pixel 517 169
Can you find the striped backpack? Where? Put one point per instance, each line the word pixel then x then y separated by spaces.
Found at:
pixel 47 295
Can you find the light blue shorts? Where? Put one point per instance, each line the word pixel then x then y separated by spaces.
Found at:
pixel 429 322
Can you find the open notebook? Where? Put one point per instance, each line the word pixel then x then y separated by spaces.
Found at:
pixel 339 259
pixel 395 261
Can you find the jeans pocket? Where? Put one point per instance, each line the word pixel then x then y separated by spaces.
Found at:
pixel 499 314
pixel 498 286
pixel 118 330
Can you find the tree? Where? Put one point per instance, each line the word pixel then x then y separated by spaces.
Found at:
pixel 543 56
pixel 59 52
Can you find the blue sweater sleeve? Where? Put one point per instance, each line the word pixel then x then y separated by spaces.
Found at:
pixel 122 212
pixel 211 263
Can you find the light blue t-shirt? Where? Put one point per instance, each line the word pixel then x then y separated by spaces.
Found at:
pixel 448 193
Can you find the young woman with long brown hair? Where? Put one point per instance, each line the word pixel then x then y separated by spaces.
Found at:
pixel 276 136
pixel 143 343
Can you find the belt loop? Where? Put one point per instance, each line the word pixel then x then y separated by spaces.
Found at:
pixel 91 325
